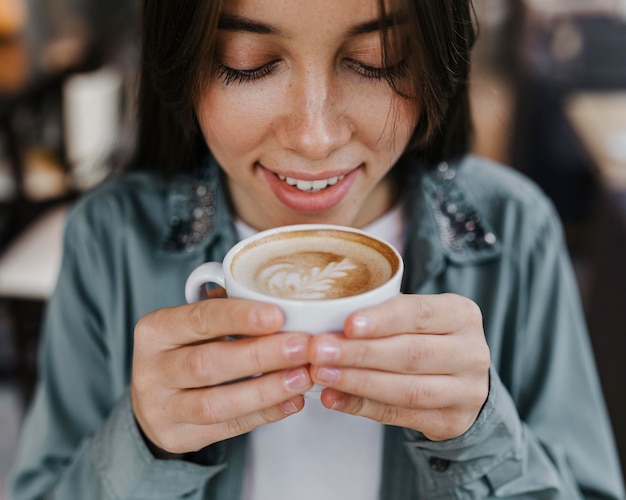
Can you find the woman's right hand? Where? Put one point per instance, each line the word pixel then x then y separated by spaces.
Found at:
pixel 192 387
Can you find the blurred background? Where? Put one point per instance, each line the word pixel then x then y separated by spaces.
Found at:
pixel 548 95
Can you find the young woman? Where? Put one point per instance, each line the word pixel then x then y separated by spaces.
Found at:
pixel 477 381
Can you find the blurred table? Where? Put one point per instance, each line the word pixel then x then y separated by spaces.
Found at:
pixel 599 119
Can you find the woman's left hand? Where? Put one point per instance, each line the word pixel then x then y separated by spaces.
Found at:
pixel 416 361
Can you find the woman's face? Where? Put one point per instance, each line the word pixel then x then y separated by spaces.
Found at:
pixel 299 114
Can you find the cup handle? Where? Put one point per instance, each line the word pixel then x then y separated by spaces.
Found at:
pixel 209 272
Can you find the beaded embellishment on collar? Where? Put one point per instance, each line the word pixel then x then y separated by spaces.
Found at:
pixel 461 228
pixel 194 216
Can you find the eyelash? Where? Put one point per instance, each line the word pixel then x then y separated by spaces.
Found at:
pixel 387 73
pixel 230 76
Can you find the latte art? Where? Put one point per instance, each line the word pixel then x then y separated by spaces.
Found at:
pixel 312 275
pixel 314 265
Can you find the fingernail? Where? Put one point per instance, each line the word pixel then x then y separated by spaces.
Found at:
pixel 338 404
pixel 361 326
pixel 296 380
pixel 327 352
pixel 288 408
pixel 295 348
pixel 328 375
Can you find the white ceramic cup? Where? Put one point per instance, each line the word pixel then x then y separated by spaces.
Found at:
pixel 311 305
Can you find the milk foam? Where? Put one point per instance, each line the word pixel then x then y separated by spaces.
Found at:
pixel 315 266
pixel 307 276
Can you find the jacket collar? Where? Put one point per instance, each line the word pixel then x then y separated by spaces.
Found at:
pixel 445 224
pixel 198 216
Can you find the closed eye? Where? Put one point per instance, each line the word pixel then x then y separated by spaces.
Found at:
pixel 376 73
pixel 230 76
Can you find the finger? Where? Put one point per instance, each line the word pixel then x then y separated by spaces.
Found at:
pixel 410 353
pixel 437 314
pixel 227 402
pixel 192 437
pixel 425 392
pixel 247 423
pixel 422 354
pixel 206 320
pixel 218 362
pixel 436 425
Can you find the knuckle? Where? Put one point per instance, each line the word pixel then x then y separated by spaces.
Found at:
pixel 361 350
pixel 423 314
pixel 256 356
pixel 196 317
pixel 358 406
pixel 269 416
pixel 237 426
pixel 415 355
pixel 261 395
pixel 197 364
pixel 387 414
pixel 363 384
pixel 206 411
pixel 418 396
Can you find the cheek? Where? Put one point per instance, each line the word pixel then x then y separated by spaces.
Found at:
pixel 230 125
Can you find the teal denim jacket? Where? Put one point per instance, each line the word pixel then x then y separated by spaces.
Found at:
pixel 473 228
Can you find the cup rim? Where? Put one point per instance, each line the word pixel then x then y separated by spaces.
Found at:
pixel 253 294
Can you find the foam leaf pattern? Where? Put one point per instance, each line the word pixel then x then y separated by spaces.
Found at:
pixel 289 280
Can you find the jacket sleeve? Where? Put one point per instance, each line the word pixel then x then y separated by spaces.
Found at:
pixel 80 439
pixel 546 433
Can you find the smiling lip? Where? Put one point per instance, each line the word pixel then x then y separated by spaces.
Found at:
pixel 310 195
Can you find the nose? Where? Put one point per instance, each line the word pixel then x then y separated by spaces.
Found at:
pixel 314 123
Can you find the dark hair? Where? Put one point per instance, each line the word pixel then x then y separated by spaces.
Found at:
pixel 178 43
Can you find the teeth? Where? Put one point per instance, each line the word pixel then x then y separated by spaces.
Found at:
pixel 304 185
pixel 311 186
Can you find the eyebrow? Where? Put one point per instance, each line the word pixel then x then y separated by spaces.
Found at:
pixel 233 22
pixel 372 26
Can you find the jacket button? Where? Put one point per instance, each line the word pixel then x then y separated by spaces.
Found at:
pixel 439 464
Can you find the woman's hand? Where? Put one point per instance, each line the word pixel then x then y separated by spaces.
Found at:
pixel 192 387
pixel 416 361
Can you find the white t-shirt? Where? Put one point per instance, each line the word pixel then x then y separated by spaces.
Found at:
pixel 319 453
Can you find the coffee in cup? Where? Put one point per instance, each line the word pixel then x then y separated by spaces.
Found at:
pixel 320 264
